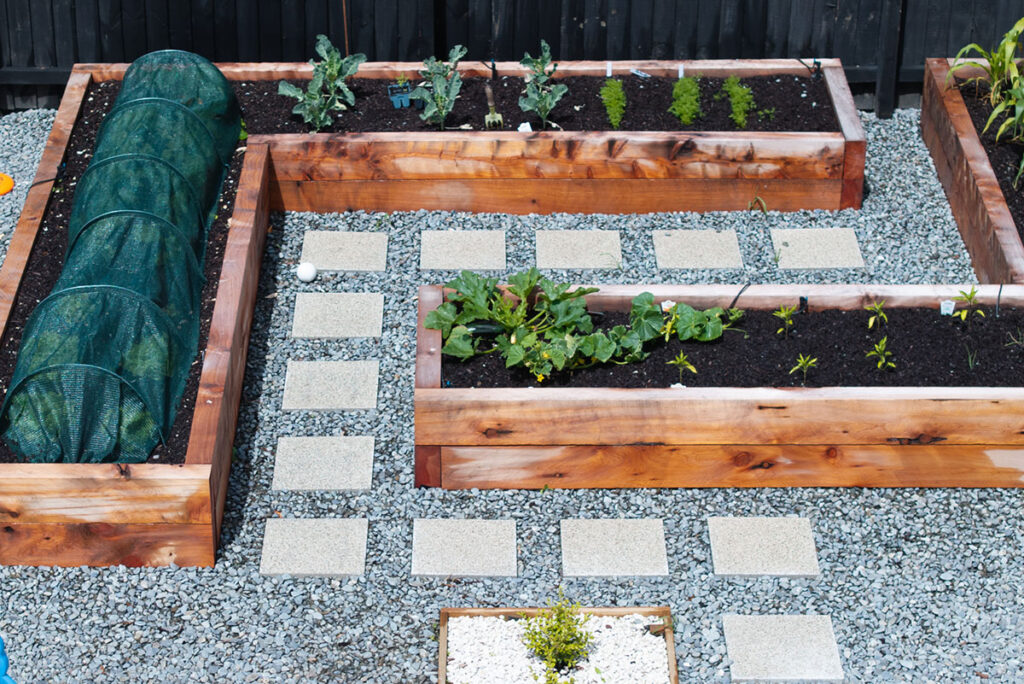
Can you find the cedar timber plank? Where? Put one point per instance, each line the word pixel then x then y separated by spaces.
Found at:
pixel 95 543
pixel 664 613
pixel 732 465
pixel 853 132
pixel 427 467
pixel 976 200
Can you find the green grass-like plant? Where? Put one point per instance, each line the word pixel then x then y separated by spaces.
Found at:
pixel 541 95
pixel 327 91
pixel 444 83
pixel 614 99
pixel 1000 64
pixel 686 100
pixel 558 636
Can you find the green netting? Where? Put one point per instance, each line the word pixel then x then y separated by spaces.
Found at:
pixel 105 358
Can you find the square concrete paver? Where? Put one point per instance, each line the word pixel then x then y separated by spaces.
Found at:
pixel 609 548
pixel 330 385
pixel 323 463
pixel 454 250
pixel 342 250
pixel 333 315
pixel 697 249
pixel 306 547
pixel 782 648
pixel 763 546
pixel 471 548
pixel 817 248
pixel 578 249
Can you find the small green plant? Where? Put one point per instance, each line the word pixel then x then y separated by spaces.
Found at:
pixel 741 99
pixel 614 99
pixel 970 302
pixel 686 100
pixel 559 637
pixel 878 314
pixel 682 363
pixel 882 356
pixel 442 89
pixel 767 113
pixel 804 364
pixel 1000 64
pixel 785 314
pixel 1015 341
pixel 401 79
pixel 972 357
pixel 758 203
pixel 540 95
pixel 327 91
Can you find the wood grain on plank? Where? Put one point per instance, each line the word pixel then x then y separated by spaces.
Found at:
pixel 856 141
pixel 733 465
pixel 428 342
pixel 100 543
pixel 719 415
pixel 105 492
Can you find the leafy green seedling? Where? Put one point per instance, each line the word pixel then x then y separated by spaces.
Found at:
pixel 682 363
pixel 614 99
pixel 327 91
pixel 741 100
pixel 442 89
pixel 970 302
pixel 686 100
pixel 540 95
pixel 785 314
pixel 804 364
pixel 882 356
pixel 878 314
pixel 559 637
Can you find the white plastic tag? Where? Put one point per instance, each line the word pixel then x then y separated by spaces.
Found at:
pixel 608 70
pixel 946 307
pixel 525 127
pixel 680 71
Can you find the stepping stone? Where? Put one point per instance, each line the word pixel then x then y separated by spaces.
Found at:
pixel 697 249
pixel 323 463
pixel 342 250
pixel 308 547
pixel 609 548
pixel 470 548
pixel 330 385
pixel 774 648
pixel 817 248
pixel 578 249
pixel 454 250
pixel 333 315
pixel 748 547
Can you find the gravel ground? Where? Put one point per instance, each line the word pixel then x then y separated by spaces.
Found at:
pixel 922 585
pixel 22 139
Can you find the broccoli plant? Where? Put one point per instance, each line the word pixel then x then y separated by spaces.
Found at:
pixel 540 95
pixel 442 89
pixel 327 91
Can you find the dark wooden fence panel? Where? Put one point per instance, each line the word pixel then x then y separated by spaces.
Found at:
pixel 41 39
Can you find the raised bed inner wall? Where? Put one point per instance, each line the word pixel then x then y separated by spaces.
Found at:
pixel 720 437
pixel 975 198
pixel 138 514
pixel 560 171
pixel 660 615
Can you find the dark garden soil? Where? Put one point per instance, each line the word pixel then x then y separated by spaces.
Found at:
pixel 47 258
pixel 800 104
pixel 928 350
pixel 1004 156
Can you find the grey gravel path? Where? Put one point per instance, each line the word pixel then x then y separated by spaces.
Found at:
pixel 22 139
pixel 922 585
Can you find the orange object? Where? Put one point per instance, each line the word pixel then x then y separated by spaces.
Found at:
pixel 6 184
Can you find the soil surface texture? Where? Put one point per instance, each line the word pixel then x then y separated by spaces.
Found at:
pixel 800 103
pixel 47 258
pixel 1004 156
pixel 928 350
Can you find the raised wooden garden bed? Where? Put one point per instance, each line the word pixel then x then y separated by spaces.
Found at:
pixel 977 202
pixel 139 514
pixel 659 614
pixel 720 437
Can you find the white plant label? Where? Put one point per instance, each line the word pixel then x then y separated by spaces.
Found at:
pixel 525 127
pixel 946 307
pixel 608 70
pixel 681 70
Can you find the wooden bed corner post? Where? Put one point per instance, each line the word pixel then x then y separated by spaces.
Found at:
pixel 428 376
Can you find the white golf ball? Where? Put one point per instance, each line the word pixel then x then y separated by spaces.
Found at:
pixel 306 272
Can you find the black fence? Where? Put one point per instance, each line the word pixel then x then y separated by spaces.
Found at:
pixel 881 42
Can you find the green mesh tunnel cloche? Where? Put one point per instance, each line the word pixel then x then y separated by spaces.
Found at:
pixel 104 359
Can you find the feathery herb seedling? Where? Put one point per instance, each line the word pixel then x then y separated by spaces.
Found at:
pixel 541 96
pixel 785 314
pixel 558 636
pixel 970 302
pixel 614 99
pixel 804 364
pixel 686 100
pixel 878 314
pixel 741 100
pixel 882 356
pixel 682 363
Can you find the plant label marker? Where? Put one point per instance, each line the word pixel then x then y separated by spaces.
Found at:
pixel 681 70
pixel 641 74
pixel 608 70
pixel 525 127
pixel 946 307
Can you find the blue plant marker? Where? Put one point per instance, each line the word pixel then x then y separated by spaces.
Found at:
pixel 4 679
